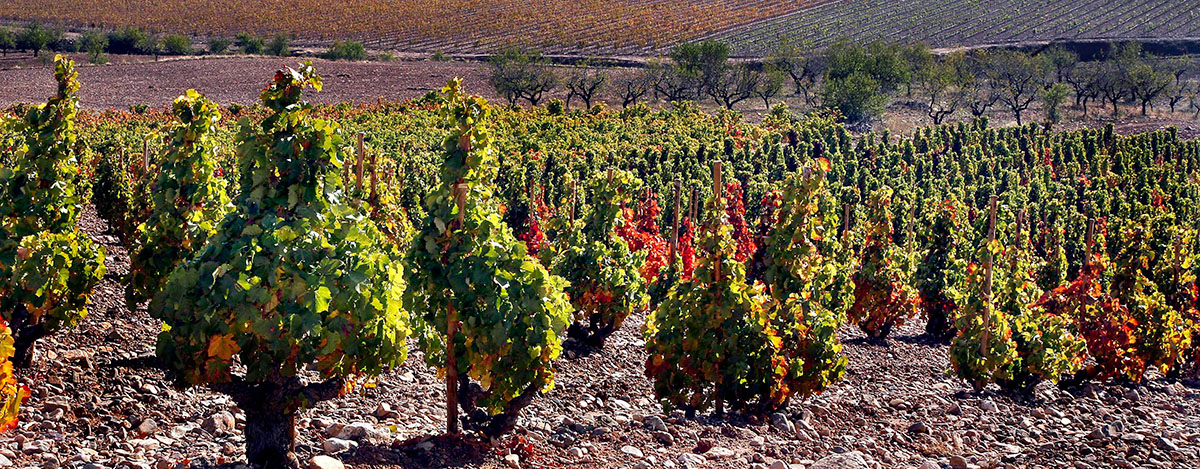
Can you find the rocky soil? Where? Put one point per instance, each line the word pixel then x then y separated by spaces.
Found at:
pixel 99 402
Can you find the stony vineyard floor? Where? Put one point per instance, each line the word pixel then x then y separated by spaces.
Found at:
pixel 99 402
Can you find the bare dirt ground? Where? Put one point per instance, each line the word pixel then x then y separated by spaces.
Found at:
pixel 138 80
pixel 128 81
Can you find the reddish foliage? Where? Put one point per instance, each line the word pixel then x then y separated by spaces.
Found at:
pixel 640 230
pixel 735 212
pixel 1106 326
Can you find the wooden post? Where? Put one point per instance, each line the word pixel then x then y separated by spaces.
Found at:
pixel 987 278
pixel 1178 260
pixel 374 198
pixel 358 166
pixel 460 201
pixel 610 176
pixel 1087 241
pixel 1017 237
pixel 675 226
pixel 572 215
pixel 146 155
pixel 692 209
pixel 717 193
pixel 846 221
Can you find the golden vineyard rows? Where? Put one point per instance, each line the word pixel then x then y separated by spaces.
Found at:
pixel 424 25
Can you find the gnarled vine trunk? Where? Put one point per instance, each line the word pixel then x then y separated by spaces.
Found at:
pixel 271 415
pixel 25 336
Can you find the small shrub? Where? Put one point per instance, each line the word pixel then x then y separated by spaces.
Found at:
pixel 509 311
pixel 345 50
pixel 606 285
pixel 218 45
pixel 883 296
pixel 279 46
pixel 250 44
pixel 293 285
pixel 188 202
pixel 177 44
pixel 48 269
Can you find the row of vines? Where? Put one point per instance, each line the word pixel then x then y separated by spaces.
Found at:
pixel 323 238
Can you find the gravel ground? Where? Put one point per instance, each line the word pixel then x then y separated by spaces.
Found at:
pixel 98 401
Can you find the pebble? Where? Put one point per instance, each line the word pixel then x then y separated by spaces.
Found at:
pixel 850 460
pixel 385 412
pixel 325 462
pixel 655 423
pixel 632 451
pixel 692 460
pixel 338 445
pixel 780 422
pixel 663 437
pixel 958 462
pixel 988 405
pixel 512 461
pixel 719 452
pixel 219 423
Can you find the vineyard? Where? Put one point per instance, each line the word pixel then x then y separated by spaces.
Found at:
pixel 945 23
pixel 632 27
pixel 286 283
pixel 461 26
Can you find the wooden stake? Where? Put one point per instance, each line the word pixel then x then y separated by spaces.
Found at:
pixel 572 216
pixel 692 209
pixel 846 221
pixel 675 226
pixel 987 278
pixel 374 198
pixel 718 192
pixel 1087 241
pixel 358 166
pixel 460 200
pixel 146 155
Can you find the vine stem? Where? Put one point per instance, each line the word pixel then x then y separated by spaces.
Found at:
pixel 675 227
pixel 460 200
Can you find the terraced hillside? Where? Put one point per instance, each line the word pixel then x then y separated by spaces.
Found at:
pixel 952 23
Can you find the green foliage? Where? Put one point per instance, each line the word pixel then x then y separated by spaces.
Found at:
pixel 250 44
pixel 1052 99
pixel 713 339
pixel 807 270
pixel 95 43
pixel 983 348
pixel 188 202
pixel 346 50
pixel 279 46
pixel 218 45
pixel 941 267
pixel 48 269
pixel 605 283
pixel 293 279
pixel 1162 337
pixel 8 40
pixel 508 310
pixel 883 295
pixel 37 37
pixel 177 44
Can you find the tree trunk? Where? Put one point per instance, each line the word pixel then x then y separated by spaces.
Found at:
pixel 271 437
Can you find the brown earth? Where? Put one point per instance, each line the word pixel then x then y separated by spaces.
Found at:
pixel 137 80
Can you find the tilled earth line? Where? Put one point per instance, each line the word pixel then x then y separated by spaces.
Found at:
pixel 100 402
